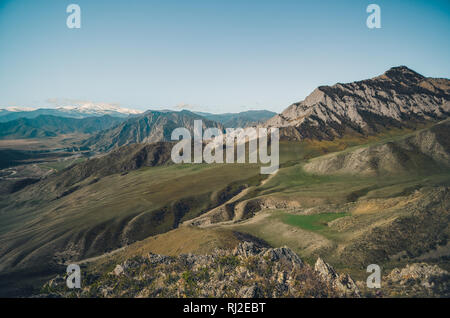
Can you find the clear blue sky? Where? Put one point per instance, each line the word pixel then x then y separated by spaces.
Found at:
pixel 216 56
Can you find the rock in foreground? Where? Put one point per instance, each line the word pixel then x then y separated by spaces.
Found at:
pixel 248 271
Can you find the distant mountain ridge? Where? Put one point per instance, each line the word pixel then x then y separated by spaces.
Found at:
pixel 89 110
pixel 50 126
pixel 152 126
pixel 242 119
pixel 398 98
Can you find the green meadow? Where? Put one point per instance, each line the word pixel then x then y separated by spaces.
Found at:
pixel 312 222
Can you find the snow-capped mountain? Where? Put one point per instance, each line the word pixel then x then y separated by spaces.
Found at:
pixel 18 109
pixel 76 111
pixel 99 109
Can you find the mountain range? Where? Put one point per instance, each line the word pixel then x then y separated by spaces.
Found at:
pixel 42 123
pixel 364 179
pixel 152 126
pixel 242 119
pixel 400 98
pixel 83 111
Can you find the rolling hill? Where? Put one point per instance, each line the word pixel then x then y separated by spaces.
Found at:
pixel 105 203
pixel 426 150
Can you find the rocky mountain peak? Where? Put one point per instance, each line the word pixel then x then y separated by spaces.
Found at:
pixel 403 74
pixel 400 97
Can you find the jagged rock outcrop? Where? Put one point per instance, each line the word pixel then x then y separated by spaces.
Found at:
pixel 246 249
pixel 247 271
pixel 250 292
pixel 398 98
pixel 413 280
pixel 341 282
pixel 421 273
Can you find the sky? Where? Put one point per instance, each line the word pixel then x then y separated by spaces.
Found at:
pixel 209 55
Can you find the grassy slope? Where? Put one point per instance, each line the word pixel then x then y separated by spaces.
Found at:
pixel 183 240
pixel 116 209
pixel 379 223
pixel 390 200
pixel 123 208
pixel 312 222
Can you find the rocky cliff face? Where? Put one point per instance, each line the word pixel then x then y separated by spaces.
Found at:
pixel 398 98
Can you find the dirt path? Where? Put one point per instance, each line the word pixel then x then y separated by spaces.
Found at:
pixel 204 220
